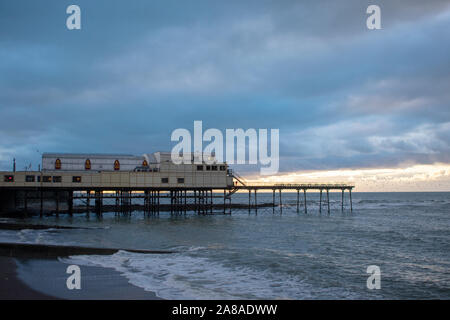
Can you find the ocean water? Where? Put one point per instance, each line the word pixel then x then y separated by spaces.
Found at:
pixel 274 254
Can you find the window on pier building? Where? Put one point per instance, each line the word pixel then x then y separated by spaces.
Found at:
pixel 145 163
pixel 116 165
pixel 46 179
pixel 180 180
pixel 208 168
pixel 29 179
pixel 214 168
pixel 57 164
pixel 199 168
pixel 9 178
pixel 57 179
pixel 87 164
pixel 76 179
pixel 164 180
pixel 222 168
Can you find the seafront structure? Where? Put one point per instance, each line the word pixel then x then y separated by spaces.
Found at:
pixel 150 183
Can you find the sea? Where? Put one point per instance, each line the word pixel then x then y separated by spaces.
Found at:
pixel 272 253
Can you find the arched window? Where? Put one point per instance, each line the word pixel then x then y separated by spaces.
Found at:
pixel 57 164
pixel 87 164
pixel 116 165
pixel 145 163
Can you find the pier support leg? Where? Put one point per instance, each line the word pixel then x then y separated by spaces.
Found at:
pixel 273 200
pixel 200 201
pixel 249 199
pixel 351 205
pixel 158 201
pixel 185 201
pixel 171 201
pixel 224 200
pixel 88 199
pixel 320 201
pixel 117 202
pixel 155 196
pixel 281 205
pixel 152 202
pixel 148 202
pixel 98 202
pixel 195 201
pixel 328 200
pixel 298 200
pixel 256 203
pixel 70 202
pixel 229 204
pixel 304 200
pixel 151 197
pixel 200 208
pixel 342 201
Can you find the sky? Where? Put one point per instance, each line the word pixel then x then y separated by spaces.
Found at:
pixel 371 107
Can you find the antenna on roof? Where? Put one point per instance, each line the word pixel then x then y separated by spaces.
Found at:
pixel 14 165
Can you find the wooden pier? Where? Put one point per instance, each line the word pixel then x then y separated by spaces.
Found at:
pixel 152 183
pixel 298 188
pixel 55 201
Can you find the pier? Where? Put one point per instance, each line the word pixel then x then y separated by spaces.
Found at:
pixel 298 188
pixel 153 201
pixel 151 183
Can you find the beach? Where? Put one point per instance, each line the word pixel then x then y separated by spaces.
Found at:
pixel 45 279
pixel 12 288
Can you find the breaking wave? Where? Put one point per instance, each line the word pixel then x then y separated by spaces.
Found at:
pixel 183 276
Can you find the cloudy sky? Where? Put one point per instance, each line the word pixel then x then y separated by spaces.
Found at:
pixel 345 98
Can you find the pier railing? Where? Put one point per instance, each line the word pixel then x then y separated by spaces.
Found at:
pixel 308 185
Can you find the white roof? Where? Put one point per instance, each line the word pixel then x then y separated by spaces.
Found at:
pixel 90 155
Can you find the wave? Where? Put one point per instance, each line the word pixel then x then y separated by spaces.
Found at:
pixel 184 276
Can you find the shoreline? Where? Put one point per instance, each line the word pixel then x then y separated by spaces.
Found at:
pixel 12 288
pixel 45 279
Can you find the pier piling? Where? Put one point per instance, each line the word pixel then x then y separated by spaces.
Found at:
pixel 177 200
pixel 304 198
pixel 351 205
pixel 328 200
pixel 273 200
pixel 320 201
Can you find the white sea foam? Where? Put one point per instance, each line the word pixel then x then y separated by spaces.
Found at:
pixel 33 236
pixel 182 276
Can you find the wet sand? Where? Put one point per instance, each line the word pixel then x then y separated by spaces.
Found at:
pixel 37 279
pixel 11 288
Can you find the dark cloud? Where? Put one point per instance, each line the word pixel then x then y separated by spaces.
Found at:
pixel 341 95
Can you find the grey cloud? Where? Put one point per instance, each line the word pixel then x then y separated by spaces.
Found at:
pixel 311 69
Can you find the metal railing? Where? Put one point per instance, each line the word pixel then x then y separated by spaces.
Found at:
pixel 299 185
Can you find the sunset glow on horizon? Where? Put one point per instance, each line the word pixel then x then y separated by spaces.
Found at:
pixel 432 177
